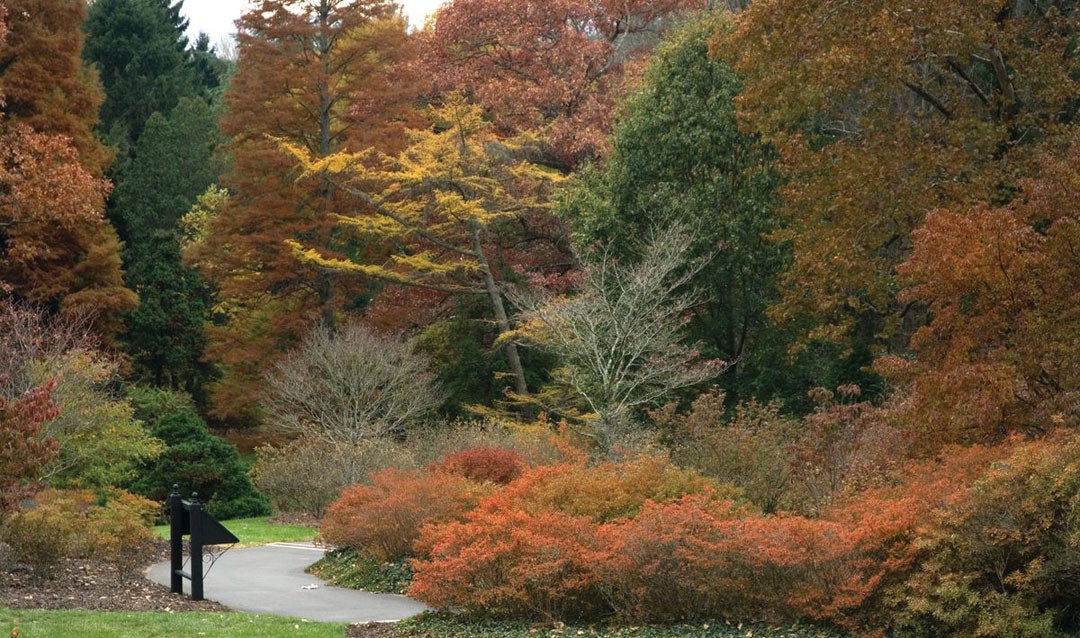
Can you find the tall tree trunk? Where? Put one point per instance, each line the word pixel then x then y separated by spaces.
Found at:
pixel 501 319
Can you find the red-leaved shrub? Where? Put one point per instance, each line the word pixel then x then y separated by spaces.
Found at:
pixel 607 490
pixel 484 464
pixel 511 563
pixel 531 548
pixel 383 519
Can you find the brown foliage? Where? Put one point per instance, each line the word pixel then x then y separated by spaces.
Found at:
pixel 44 81
pixel 1003 558
pixel 383 518
pixel 24 453
pixel 112 526
pixel 484 464
pixel 327 77
pixel 55 244
pixel 1000 352
pixel 308 474
pixel 752 450
pixel 783 463
pixel 558 65
pixel 883 114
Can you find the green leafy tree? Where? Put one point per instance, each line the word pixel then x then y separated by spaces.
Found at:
pixel 171 164
pixel 99 440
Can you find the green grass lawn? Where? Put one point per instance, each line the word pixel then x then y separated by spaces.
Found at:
pixel 119 624
pixel 258 531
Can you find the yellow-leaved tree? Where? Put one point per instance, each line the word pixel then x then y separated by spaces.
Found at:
pixel 449 207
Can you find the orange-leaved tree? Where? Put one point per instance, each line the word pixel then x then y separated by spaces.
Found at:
pixel 883 113
pixel 45 83
pixel 559 64
pixel 322 75
pixel 1001 351
pixel 55 245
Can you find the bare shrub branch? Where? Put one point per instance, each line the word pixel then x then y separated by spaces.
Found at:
pixel 349 385
pixel 621 337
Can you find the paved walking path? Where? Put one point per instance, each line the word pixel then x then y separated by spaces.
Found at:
pixel 270 580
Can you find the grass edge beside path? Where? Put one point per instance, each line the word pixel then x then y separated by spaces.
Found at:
pixel 35 623
pixel 259 531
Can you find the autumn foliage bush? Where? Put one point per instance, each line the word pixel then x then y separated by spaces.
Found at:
pixel 647 541
pixel 484 464
pixel 382 518
pixel 113 526
pixel 309 473
pixel 532 548
pixel 607 490
pixel 511 563
pixel 973 541
pixel 24 452
pixel 783 463
pixel 1004 558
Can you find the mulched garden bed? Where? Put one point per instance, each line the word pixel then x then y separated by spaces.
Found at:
pixel 95 585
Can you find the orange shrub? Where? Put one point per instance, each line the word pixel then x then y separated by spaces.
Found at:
pixel 650 542
pixel 484 464
pixel 665 564
pixel 885 529
pixel 511 563
pixel 531 548
pixel 383 519
pixel 608 490
pixel 695 558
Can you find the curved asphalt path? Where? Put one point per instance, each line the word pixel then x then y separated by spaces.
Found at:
pixel 270 579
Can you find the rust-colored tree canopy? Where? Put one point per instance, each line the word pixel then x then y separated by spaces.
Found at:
pixel 1003 288
pixel 55 245
pixel 326 76
pixel 884 111
pixel 45 83
pixel 559 65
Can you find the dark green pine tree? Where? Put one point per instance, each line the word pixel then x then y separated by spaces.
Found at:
pixel 211 71
pixel 140 51
pixel 156 111
pixel 679 157
pixel 170 165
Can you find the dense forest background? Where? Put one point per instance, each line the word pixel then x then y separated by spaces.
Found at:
pixel 824 255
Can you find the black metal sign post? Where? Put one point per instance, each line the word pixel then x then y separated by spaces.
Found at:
pixel 188 517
